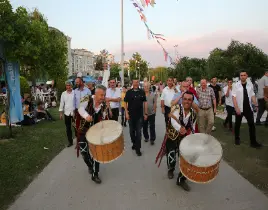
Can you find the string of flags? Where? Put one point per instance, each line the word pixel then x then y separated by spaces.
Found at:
pixel 151 35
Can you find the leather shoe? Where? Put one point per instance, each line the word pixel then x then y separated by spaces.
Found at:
pixel 184 185
pixel 256 145
pixel 170 174
pixel 138 152
pixel 133 147
pixel 96 179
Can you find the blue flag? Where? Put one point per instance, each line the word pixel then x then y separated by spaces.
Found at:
pixel 13 82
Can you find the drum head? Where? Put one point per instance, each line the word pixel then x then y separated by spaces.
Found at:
pixel 201 150
pixel 104 132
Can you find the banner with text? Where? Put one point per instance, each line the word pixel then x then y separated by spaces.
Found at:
pixel 13 81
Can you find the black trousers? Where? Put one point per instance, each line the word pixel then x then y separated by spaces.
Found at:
pixel 135 125
pixel 167 111
pixel 151 123
pixel 261 110
pixel 229 117
pixel 172 147
pixel 248 114
pixel 123 117
pixel 115 113
pixel 68 125
pixel 84 150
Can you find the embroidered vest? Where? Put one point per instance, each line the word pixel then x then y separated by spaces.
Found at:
pixel 172 133
pixel 102 114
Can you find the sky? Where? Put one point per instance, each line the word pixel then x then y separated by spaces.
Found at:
pixel 196 26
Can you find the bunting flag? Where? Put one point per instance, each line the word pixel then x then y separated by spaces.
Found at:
pixel 150 33
pixel 143 3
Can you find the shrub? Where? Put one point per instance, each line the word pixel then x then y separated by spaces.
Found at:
pixel 24 86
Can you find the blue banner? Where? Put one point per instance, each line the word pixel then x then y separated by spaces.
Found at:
pixel 13 82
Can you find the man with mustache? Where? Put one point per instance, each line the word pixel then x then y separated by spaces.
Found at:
pixel 181 123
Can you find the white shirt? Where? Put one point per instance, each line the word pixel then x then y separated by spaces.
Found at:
pixel 175 124
pixel 82 109
pixel 238 93
pixel 262 83
pixel 229 99
pixel 67 103
pixel 167 95
pixel 114 94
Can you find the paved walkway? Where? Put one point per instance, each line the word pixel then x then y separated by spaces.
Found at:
pixel 134 183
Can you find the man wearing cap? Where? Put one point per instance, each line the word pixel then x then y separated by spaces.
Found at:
pixel 67 109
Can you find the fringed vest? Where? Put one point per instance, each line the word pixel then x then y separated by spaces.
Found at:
pixel 172 133
pixel 102 114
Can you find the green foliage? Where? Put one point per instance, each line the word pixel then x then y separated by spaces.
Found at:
pixel 223 63
pixel 40 50
pixel 237 56
pixel 193 67
pixel 24 86
pixel 138 67
pixel 161 73
pixel 114 71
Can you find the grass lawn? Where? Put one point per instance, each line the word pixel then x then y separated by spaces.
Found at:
pixel 23 157
pixel 251 163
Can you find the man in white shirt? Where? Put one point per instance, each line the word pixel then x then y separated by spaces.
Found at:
pixel 113 96
pixel 166 98
pixel 182 123
pixel 229 105
pixel 263 82
pixel 67 109
pixel 243 97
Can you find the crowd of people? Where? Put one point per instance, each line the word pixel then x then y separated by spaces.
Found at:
pixel 186 110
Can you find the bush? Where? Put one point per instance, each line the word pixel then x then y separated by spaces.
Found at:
pixel 24 86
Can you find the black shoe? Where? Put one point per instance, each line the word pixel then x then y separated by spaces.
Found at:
pixel 125 124
pixel 224 125
pixel 70 144
pixel 133 147
pixel 90 170
pixel 146 140
pixel 256 145
pixel 184 185
pixel 152 142
pixel 138 152
pixel 96 179
pixel 170 174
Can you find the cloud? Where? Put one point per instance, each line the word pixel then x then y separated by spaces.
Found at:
pixel 198 46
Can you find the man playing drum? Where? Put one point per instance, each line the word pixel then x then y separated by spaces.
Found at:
pixel 181 123
pixel 92 110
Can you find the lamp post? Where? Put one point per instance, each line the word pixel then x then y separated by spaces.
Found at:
pixel 122 41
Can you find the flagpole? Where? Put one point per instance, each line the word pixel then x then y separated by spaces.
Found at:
pixel 122 41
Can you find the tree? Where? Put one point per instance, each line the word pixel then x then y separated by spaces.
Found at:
pixel 161 73
pixel 193 67
pixel 114 71
pixel 138 67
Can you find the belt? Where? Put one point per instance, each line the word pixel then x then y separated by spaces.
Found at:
pixel 205 109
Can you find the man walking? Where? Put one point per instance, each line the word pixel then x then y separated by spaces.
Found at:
pixel 207 107
pixel 229 105
pixel 243 97
pixel 151 98
pixel 67 109
pixel 166 98
pixel 136 110
pixel 113 96
pixel 217 91
pixel 263 82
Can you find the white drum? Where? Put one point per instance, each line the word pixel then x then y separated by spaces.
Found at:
pixel 106 141
pixel 200 156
